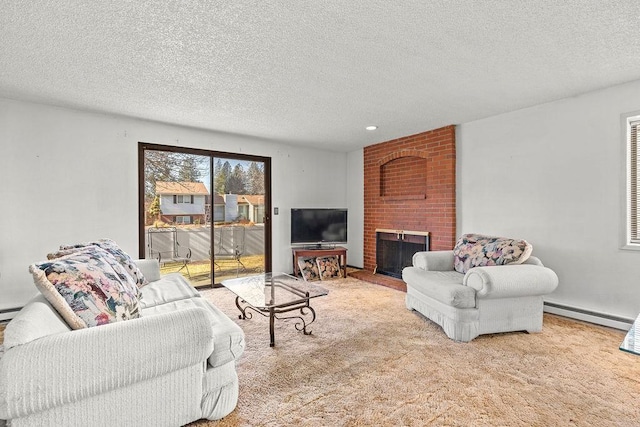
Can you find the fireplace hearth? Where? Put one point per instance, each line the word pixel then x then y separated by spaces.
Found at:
pixel 395 249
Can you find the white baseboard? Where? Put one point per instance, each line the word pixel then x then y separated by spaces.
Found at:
pixel 588 316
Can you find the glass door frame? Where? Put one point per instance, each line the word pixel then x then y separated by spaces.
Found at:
pixel 144 146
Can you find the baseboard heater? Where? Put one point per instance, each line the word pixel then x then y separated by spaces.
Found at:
pixel 590 316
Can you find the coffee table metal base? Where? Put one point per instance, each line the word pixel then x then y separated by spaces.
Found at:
pixel 272 313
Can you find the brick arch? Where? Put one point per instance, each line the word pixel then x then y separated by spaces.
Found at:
pixel 404 175
pixel 402 153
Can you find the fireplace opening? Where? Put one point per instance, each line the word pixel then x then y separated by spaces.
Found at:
pixel 395 249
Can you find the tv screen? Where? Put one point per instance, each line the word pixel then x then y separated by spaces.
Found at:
pixel 317 226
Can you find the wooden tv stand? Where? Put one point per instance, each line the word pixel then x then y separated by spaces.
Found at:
pixel 310 252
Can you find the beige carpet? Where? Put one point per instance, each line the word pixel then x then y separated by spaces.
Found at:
pixel 370 362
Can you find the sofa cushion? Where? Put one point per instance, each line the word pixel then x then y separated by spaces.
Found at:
pixel 88 288
pixel 170 287
pixel 37 319
pixel 477 250
pixel 112 247
pixel 228 338
pixel 443 286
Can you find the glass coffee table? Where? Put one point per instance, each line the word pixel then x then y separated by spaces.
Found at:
pixel 631 341
pixel 271 294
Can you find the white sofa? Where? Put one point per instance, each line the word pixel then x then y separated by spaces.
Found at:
pixel 173 365
pixel 484 300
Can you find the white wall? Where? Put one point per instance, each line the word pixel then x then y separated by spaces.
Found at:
pixel 553 175
pixel 69 176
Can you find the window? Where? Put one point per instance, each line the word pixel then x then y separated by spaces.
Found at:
pixel 182 199
pixel 633 181
pixel 181 219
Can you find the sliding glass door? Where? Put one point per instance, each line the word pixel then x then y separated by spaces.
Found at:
pixel 204 214
pixel 239 217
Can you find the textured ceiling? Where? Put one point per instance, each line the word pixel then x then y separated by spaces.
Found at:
pixel 314 72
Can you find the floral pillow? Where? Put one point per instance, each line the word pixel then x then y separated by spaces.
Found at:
pixel 476 250
pixel 329 267
pixel 88 288
pixel 112 247
pixel 123 275
pixel 308 268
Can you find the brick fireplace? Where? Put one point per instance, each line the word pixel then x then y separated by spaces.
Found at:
pixel 410 185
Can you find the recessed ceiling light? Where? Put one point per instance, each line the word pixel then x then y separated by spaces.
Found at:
pixel 371 127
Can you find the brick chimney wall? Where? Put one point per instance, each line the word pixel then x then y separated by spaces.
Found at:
pixel 410 184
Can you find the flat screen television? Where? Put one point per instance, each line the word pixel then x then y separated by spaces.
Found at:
pixel 318 226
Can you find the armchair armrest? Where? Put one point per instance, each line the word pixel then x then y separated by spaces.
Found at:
pixel 68 367
pixel 433 260
pixel 533 261
pixel 511 281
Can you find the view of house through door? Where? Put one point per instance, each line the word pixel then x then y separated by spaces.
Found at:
pixel 204 214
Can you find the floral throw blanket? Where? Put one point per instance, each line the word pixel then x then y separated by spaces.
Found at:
pixel 477 250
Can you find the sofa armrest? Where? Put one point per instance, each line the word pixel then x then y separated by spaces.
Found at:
pixel 68 367
pixel 150 268
pixel 433 260
pixel 507 281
